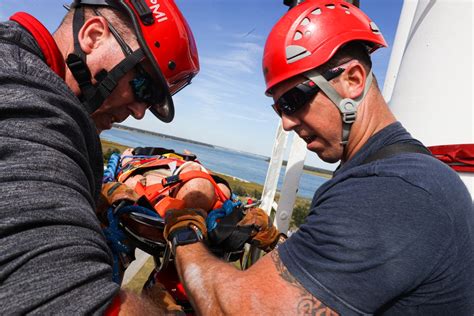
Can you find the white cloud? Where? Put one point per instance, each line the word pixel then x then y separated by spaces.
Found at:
pixel 243 57
pixel 237 61
pixel 246 117
pixel 216 27
pixel 253 48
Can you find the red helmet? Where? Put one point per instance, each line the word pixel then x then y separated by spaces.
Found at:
pixel 166 40
pixel 309 34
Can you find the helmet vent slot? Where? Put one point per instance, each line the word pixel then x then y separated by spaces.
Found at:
pixel 374 28
pixel 330 6
pixel 316 11
pixel 346 8
pixel 295 52
pixel 298 36
pixel 305 22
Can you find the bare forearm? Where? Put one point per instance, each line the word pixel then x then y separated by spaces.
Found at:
pixel 133 304
pixel 211 283
pixel 215 287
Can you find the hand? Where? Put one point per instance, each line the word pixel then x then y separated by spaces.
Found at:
pixel 263 235
pixel 113 193
pixel 175 219
pixel 161 298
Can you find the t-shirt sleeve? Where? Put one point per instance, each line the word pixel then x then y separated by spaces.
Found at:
pixel 54 258
pixel 366 242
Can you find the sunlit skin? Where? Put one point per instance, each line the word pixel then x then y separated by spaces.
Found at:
pixel 97 41
pixel 319 122
pixel 118 106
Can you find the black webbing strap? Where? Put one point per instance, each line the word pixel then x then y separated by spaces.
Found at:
pixel 96 94
pixel 395 149
pixel 108 82
pixel 77 23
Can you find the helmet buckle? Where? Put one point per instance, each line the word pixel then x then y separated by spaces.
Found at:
pixel 348 110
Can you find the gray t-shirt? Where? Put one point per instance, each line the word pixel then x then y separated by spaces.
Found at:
pixel 54 258
pixel 394 236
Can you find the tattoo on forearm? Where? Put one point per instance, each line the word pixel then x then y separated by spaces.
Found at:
pixel 308 304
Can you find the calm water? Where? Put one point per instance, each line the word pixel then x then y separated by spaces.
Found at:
pixel 238 164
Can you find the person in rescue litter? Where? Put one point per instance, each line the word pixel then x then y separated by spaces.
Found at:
pixel 108 59
pixel 391 233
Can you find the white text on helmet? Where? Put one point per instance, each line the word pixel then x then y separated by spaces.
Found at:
pixel 159 16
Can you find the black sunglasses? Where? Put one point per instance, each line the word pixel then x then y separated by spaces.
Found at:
pixel 144 88
pixel 297 97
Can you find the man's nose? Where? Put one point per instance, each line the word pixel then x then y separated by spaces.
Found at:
pixel 138 109
pixel 289 122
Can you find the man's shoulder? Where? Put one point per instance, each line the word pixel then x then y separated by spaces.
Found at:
pixel 406 183
pixel 12 34
pixel 422 172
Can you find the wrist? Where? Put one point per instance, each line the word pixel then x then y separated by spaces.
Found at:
pixel 185 236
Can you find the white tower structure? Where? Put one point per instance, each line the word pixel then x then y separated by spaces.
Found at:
pixel 429 82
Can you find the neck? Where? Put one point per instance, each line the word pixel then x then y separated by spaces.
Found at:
pixel 372 116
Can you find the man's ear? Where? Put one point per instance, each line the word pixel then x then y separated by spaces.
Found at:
pixel 93 33
pixel 354 80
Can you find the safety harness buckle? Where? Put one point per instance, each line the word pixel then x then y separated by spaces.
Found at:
pixel 166 182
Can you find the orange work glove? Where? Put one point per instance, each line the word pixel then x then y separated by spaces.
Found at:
pixel 263 235
pixel 113 193
pixel 175 219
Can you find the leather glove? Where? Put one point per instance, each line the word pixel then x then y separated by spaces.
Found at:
pixel 113 193
pixel 263 235
pixel 175 219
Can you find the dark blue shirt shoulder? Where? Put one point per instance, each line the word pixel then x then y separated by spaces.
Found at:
pixel 393 236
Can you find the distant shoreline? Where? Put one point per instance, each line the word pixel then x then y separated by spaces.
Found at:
pixel 307 169
pixel 128 128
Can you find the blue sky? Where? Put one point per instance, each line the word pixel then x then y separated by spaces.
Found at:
pixel 225 105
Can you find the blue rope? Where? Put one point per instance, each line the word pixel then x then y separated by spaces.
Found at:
pixel 214 215
pixel 111 169
pixel 116 237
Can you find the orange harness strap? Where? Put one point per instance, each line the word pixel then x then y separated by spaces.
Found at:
pixel 146 163
pixel 161 203
pixel 152 192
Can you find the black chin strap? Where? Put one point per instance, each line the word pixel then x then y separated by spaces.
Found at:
pixel 93 95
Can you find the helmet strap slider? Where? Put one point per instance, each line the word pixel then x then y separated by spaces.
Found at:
pixel 347 107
